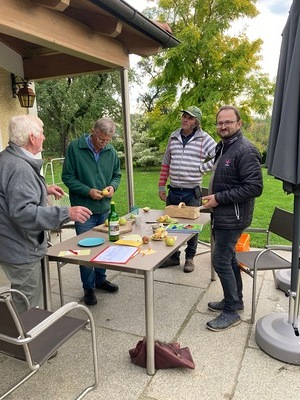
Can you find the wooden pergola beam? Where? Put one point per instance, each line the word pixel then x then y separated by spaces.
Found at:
pixel 40 25
pixel 59 65
pixel 58 5
pixel 104 24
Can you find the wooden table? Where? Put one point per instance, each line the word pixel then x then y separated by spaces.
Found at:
pixel 145 265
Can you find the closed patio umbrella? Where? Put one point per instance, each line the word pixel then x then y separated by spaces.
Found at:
pixel 277 333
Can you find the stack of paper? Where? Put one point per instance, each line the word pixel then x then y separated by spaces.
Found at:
pixel 130 240
pixel 116 254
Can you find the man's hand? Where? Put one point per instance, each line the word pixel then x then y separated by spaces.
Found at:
pixel 96 194
pixel 79 214
pixel 162 196
pixel 209 201
pixel 111 191
pixel 56 191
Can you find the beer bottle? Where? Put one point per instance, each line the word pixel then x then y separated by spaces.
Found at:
pixel 113 224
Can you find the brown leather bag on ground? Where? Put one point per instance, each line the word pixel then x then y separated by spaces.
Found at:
pixel 167 355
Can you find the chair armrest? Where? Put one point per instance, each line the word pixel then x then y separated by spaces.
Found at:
pixel 257 230
pixel 7 289
pixel 268 249
pixel 55 316
pixel 279 247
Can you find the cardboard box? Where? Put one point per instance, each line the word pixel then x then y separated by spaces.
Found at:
pixel 243 243
pixel 188 212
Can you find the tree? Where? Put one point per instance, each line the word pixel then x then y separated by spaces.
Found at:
pixel 209 68
pixel 145 148
pixel 70 106
pixel 258 134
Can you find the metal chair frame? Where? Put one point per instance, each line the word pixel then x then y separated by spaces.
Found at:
pixel 35 335
pixel 253 261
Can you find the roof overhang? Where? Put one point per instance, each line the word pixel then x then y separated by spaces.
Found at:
pixel 69 37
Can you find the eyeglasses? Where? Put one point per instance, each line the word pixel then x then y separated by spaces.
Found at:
pixel 226 123
pixel 102 139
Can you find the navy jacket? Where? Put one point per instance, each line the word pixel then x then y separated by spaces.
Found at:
pixel 236 182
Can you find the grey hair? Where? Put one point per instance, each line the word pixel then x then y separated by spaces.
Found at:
pixel 20 127
pixel 105 125
pixel 197 124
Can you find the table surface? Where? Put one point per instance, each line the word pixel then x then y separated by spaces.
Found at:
pixel 139 263
pixel 145 265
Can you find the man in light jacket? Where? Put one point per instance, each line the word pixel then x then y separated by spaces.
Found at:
pixel 189 154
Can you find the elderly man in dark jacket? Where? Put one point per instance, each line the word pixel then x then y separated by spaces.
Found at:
pixel 235 182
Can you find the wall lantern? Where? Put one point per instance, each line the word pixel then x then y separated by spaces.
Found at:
pixel 25 94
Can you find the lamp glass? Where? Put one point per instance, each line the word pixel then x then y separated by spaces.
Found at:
pixel 26 97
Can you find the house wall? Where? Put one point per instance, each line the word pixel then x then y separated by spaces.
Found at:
pixel 9 106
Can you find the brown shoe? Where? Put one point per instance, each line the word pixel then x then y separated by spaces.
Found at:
pixel 189 265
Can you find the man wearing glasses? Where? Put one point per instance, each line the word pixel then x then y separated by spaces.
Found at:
pixel 91 165
pixel 235 182
pixel 189 154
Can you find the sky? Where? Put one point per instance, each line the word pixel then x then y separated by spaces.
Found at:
pixel 268 26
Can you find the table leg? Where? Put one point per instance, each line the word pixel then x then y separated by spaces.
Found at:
pixel 149 310
pixel 59 265
pixel 46 283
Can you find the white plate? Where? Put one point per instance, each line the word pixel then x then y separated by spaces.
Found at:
pixel 153 238
pixel 173 221
pixel 90 242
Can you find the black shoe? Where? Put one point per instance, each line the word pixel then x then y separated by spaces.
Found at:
pixel 219 306
pixel 53 355
pixel 108 286
pixel 90 298
pixel 171 262
pixel 223 322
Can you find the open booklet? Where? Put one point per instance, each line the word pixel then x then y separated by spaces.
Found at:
pixel 116 254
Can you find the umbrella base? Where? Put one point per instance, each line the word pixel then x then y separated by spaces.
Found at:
pixel 276 337
pixel 283 279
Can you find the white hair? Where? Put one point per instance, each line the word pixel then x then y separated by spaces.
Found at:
pixel 21 126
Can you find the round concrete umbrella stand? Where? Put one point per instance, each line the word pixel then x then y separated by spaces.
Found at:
pixel 276 337
pixel 283 279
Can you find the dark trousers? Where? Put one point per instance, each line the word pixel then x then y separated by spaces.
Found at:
pixel 91 276
pixel 226 266
pixel 188 197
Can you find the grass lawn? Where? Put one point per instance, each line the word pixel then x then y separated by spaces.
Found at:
pixel 146 194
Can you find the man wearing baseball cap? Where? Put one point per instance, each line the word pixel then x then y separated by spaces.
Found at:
pixel 189 154
pixel 194 112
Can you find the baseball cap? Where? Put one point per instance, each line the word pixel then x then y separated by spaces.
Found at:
pixel 194 112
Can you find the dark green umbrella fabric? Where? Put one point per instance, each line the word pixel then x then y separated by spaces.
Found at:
pixel 283 156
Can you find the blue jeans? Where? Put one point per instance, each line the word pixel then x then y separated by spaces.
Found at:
pixel 91 276
pixel 226 266
pixel 188 197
